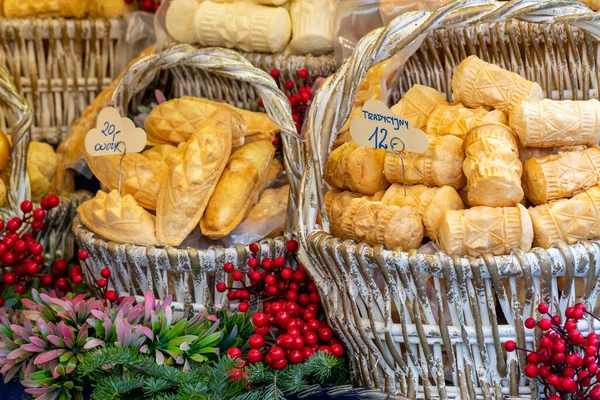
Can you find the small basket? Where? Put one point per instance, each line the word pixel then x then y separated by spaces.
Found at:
pixel 191 274
pixel 56 236
pixel 448 342
pixel 59 65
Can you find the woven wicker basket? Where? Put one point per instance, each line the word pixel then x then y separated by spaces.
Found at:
pixel 432 325
pixel 59 65
pixel 191 274
pixel 56 236
pixel 289 65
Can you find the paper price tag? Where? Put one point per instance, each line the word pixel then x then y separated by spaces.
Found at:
pixel 380 129
pixel 114 134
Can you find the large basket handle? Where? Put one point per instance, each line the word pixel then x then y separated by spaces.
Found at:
pixel 333 102
pixel 229 64
pixel 19 189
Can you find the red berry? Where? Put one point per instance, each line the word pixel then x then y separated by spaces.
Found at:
pixel 313 325
pixel 267 264
pixel 276 353
pixel 286 341
pixel 574 360
pixel 593 368
pixel 60 264
pixel 558 358
pixel 20 270
pixel 279 262
pixel 14 224
pixel 553 380
pixel 20 246
pixel 294 332
pixel 279 365
pixel 291 246
pixel 270 280
pixel 37 226
pixel 9 258
pixel 311 287
pixel 291 296
pixel 325 334
pixel 254 356
pixel 570 325
pixel 580 306
pixel 244 294
pixel 275 73
pixel 529 323
pixel 568 372
pixel 228 267
pixel 544 371
pixel 283 318
pixel 577 314
pixel 234 352
pixel 255 276
pixel 296 357
pixel 46 280
pixel 510 346
pixel 289 85
pixel 36 248
pixel 303 73
pixel 591 350
pixel 314 298
pixel 559 346
pixel 20 288
pixel 77 279
pixel 338 351
pixel 38 214
pixel 252 262
pixel 105 273
pixel 307 352
pixel 325 349
pixel 293 308
pixel 243 306
pixel 110 295
pixel 298 342
pixel 287 273
pixel 533 358
pixel 569 312
pixel 32 268
pixel 556 319
pixel 237 275
pixel 61 283
pixel 52 201
pixel 294 287
pixel 82 255
pixel 313 307
pixel 589 360
pixel 101 283
pixel 221 287
pixel 26 206
pixel 308 315
pixel 260 319
pixel 543 308
pixel 262 330
pixel 256 341
pixel 569 384
pixel 545 324
pixel 253 247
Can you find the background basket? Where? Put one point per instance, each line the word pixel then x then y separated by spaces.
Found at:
pixel 191 274
pixel 59 65
pixel 56 236
pixel 432 325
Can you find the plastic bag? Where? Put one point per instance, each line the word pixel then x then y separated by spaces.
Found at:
pixel 356 18
pixel 139 35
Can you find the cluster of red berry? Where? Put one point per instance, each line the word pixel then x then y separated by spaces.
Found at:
pixel 292 311
pixel 146 5
pixel 21 255
pixel 101 283
pixel 298 96
pixel 566 362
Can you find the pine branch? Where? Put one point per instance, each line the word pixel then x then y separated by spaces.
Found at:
pixel 154 386
pixel 113 387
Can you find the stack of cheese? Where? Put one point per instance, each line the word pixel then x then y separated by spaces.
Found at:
pixel 265 26
pixel 64 8
pixel 500 147
pixel 41 168
pixel 207 164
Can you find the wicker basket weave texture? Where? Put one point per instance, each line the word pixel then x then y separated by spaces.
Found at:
pixel 188 273
pixel 431 325
pixel 59 65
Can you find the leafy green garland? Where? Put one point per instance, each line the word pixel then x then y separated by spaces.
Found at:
pixel 123 373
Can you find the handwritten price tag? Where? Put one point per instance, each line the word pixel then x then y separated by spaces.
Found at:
pixel 380 129
pixel 114 134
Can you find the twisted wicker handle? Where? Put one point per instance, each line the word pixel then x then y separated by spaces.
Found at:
pixel 229 64
pixel 333 102
pixel 19 189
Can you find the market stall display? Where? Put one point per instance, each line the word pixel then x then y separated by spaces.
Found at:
pixel 207 186
pixel 432 317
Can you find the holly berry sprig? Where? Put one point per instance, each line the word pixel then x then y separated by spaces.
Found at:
pixel 566 362
pixel 298 96
pixel 146 5
pixel 101 283
pixel 292 326
pixel 21 256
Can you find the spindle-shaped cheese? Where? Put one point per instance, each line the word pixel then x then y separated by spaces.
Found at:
pixel 562 175
pixel 481 230
pixel 431 203
pixel 313 26
pixel 477 83
pixel 492 166
pixel 417 105
pixel 554 123
pixel 440 165
pixel 568 220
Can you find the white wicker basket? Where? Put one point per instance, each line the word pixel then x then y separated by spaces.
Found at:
pixel 447 343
